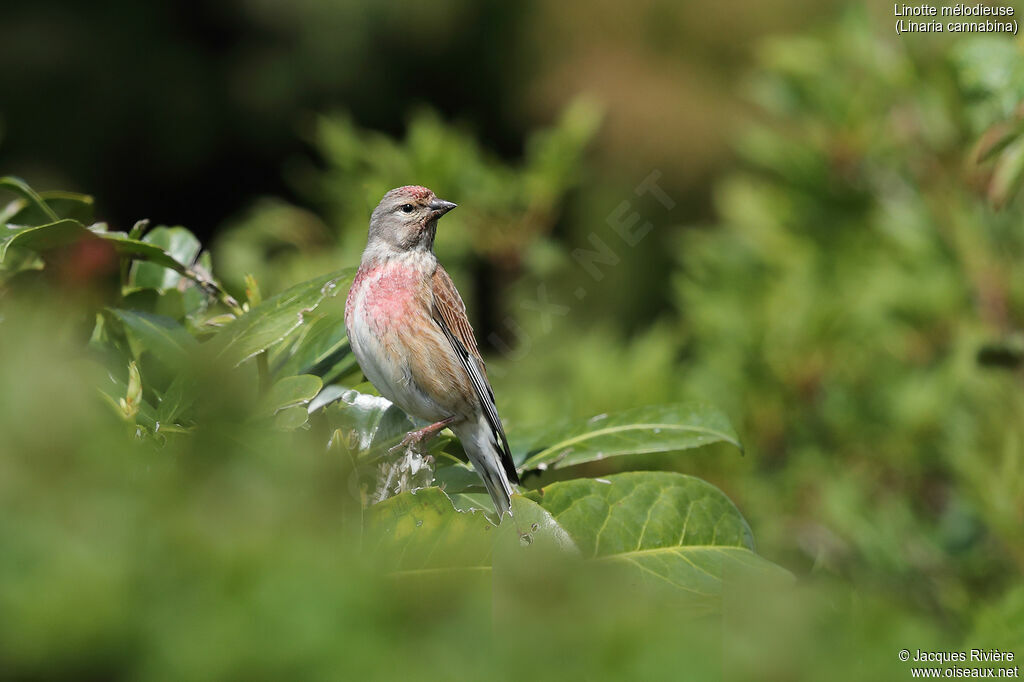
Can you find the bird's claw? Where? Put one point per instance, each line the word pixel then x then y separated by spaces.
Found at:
pixel 411 439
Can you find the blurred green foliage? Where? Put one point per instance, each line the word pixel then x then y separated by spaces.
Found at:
pixel 855 307
pixel 841 304
pixel 211 399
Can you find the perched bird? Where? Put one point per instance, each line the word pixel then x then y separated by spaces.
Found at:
pixel 408 329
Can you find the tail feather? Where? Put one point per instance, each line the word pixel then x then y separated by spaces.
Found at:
pixel 491 462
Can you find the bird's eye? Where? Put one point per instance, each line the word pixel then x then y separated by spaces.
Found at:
pixel 406 208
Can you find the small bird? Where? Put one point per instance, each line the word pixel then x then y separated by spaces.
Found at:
pixel 408 328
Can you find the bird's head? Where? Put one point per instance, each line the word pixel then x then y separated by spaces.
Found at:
pixel 406 218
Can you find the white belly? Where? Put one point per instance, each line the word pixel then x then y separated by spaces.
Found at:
pixel 393 380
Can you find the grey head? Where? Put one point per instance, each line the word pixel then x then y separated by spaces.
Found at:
pixel 406 220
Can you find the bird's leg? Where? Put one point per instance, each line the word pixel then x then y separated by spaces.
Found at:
pixel 426 433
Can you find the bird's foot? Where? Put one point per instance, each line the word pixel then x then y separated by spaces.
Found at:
pixel 414 438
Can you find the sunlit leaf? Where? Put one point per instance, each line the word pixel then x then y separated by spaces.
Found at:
pixel 659 428
pixel 370 424
pixel 44 237
pixel 317 348
pixel 274 319
pixel 179 244
pixel 670 528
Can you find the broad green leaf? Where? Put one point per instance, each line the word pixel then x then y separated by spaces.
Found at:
pixel 179 244
pixel 423 533
pixel 316 348
pixel 457 477
pixel 291 418
pixel 64 232
pixel 668 528
pixel 643 510
pixel 274 319
pixel 659 428
pixel 164 337
pixel 369 423
pixel 45 237
pixel 290 392
pixel 468 502
pixel 133 248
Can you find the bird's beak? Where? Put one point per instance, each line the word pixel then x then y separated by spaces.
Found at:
pixel 439 207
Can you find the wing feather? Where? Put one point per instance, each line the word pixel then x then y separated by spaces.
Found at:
pixel 449 312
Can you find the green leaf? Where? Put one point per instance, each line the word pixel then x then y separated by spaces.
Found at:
pixel 23 212
pixel 469 502
pixel 422 533
pixel 456 477
pixel 291 418
pixel 659 428
pixel 21 188
pixel 72 205
pixel 133 248
pixel 290 392
pixel 164 337
pixel 668 528
pixel 320 348
pixel 176 242
pixel 272 321
pixel 45 237
pixel 176 399
pixel 64 232
pixel 643 510
pixel 369 423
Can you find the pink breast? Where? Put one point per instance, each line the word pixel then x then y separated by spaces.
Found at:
pixel 390 293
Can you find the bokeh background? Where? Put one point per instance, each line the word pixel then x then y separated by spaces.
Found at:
pixel 832 255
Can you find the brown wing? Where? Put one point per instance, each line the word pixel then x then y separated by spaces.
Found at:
pixel 450 314
pixel 448 306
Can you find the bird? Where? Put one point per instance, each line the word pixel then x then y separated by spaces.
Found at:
pixel 409 332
